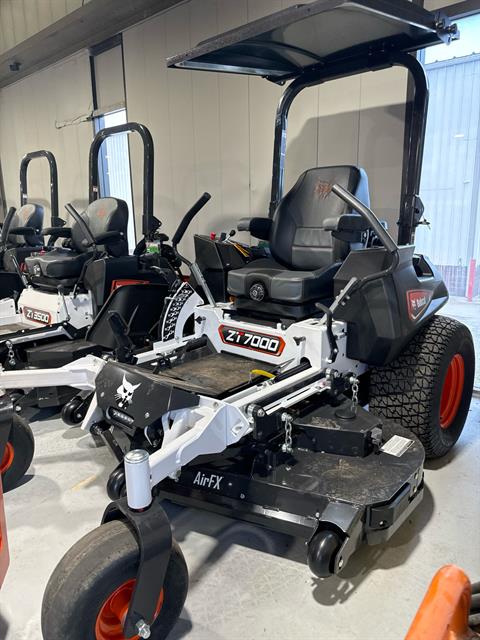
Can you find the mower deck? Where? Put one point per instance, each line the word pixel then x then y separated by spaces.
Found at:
pixel 292 493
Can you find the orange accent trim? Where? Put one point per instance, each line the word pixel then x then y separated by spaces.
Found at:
pixel 116 284
pixel 4 554
pixel 443 614
pixel 452 391
pixel 110 618
pixel 8 456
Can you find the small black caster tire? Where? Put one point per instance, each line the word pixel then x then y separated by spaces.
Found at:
pixel 70 412
pixel 117 484
pixel 84 596
pixel 428 387
pixel 18 454
pixel 322 552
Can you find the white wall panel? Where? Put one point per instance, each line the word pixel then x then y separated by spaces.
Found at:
pixel 30 112
pixel 214 132
pixel 109 78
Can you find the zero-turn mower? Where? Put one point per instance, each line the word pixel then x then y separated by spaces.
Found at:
pixel 259 411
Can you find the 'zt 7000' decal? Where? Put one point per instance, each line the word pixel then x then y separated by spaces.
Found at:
pixel 252 340
pixel 36 315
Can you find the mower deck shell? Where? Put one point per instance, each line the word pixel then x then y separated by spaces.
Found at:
pixel 294 493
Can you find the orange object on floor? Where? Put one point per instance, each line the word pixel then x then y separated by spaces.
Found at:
pixel 443 614
pixel 4 555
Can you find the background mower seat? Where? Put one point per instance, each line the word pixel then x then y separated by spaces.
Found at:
pixel 64 265
pixel 20 245
pixel 311 233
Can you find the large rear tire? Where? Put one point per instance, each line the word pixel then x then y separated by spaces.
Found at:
pixel 89 592
pixel 18 454
pixel 428 388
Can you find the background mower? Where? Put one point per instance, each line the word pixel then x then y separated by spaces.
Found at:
pixel 22 231
pixel 95 277
pixel 256 413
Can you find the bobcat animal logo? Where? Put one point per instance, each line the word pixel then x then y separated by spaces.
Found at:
pixel 125 391
pixel 323 189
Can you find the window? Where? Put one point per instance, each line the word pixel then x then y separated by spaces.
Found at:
pixel 450 186
pixel 114 169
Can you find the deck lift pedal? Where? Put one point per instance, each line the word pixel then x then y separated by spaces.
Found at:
pixel 256 414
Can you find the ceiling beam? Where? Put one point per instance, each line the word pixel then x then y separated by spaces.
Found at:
pixel 96 21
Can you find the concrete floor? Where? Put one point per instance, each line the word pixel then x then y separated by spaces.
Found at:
pixel 245 583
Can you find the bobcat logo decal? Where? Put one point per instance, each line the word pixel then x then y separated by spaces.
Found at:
pixel 125 391
pixel 323 189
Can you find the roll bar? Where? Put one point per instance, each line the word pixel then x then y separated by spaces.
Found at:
pixel 415 133
pixel 148 222
pixel 27 158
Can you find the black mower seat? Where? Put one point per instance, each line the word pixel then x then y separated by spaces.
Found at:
pixel 310 235
pixel 31 216
pixel 101 216
pixel 19 245
pixel 57 263
pixel 280 283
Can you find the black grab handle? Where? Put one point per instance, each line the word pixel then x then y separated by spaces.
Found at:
pixel 354 203
pixel 188 217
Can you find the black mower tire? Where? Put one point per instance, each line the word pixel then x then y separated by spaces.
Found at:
pixel 91 571
pixel 410 389
pixel 18 454
pixel 322 551
pixel 70 412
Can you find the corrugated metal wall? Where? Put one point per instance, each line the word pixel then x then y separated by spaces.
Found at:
pixel 451 168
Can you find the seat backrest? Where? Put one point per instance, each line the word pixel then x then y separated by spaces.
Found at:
pixel 298 239
pixel 102 215
pixel 28 215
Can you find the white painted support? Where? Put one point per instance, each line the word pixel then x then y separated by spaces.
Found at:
pixel 80 374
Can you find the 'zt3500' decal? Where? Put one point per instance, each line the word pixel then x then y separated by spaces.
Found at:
pixel 36 315
pixel 262 342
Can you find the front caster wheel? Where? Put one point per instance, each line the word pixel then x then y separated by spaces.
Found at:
pixel 88 594
pixel 117 484
pixel 322 551
pixel 72 413
pixel 18 453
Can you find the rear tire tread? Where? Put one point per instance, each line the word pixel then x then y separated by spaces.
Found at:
pixel 404 390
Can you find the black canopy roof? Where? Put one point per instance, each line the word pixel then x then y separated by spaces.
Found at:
pixel 288 43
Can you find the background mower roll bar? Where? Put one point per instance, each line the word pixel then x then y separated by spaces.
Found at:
pixel 56 221
pixel 149 224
